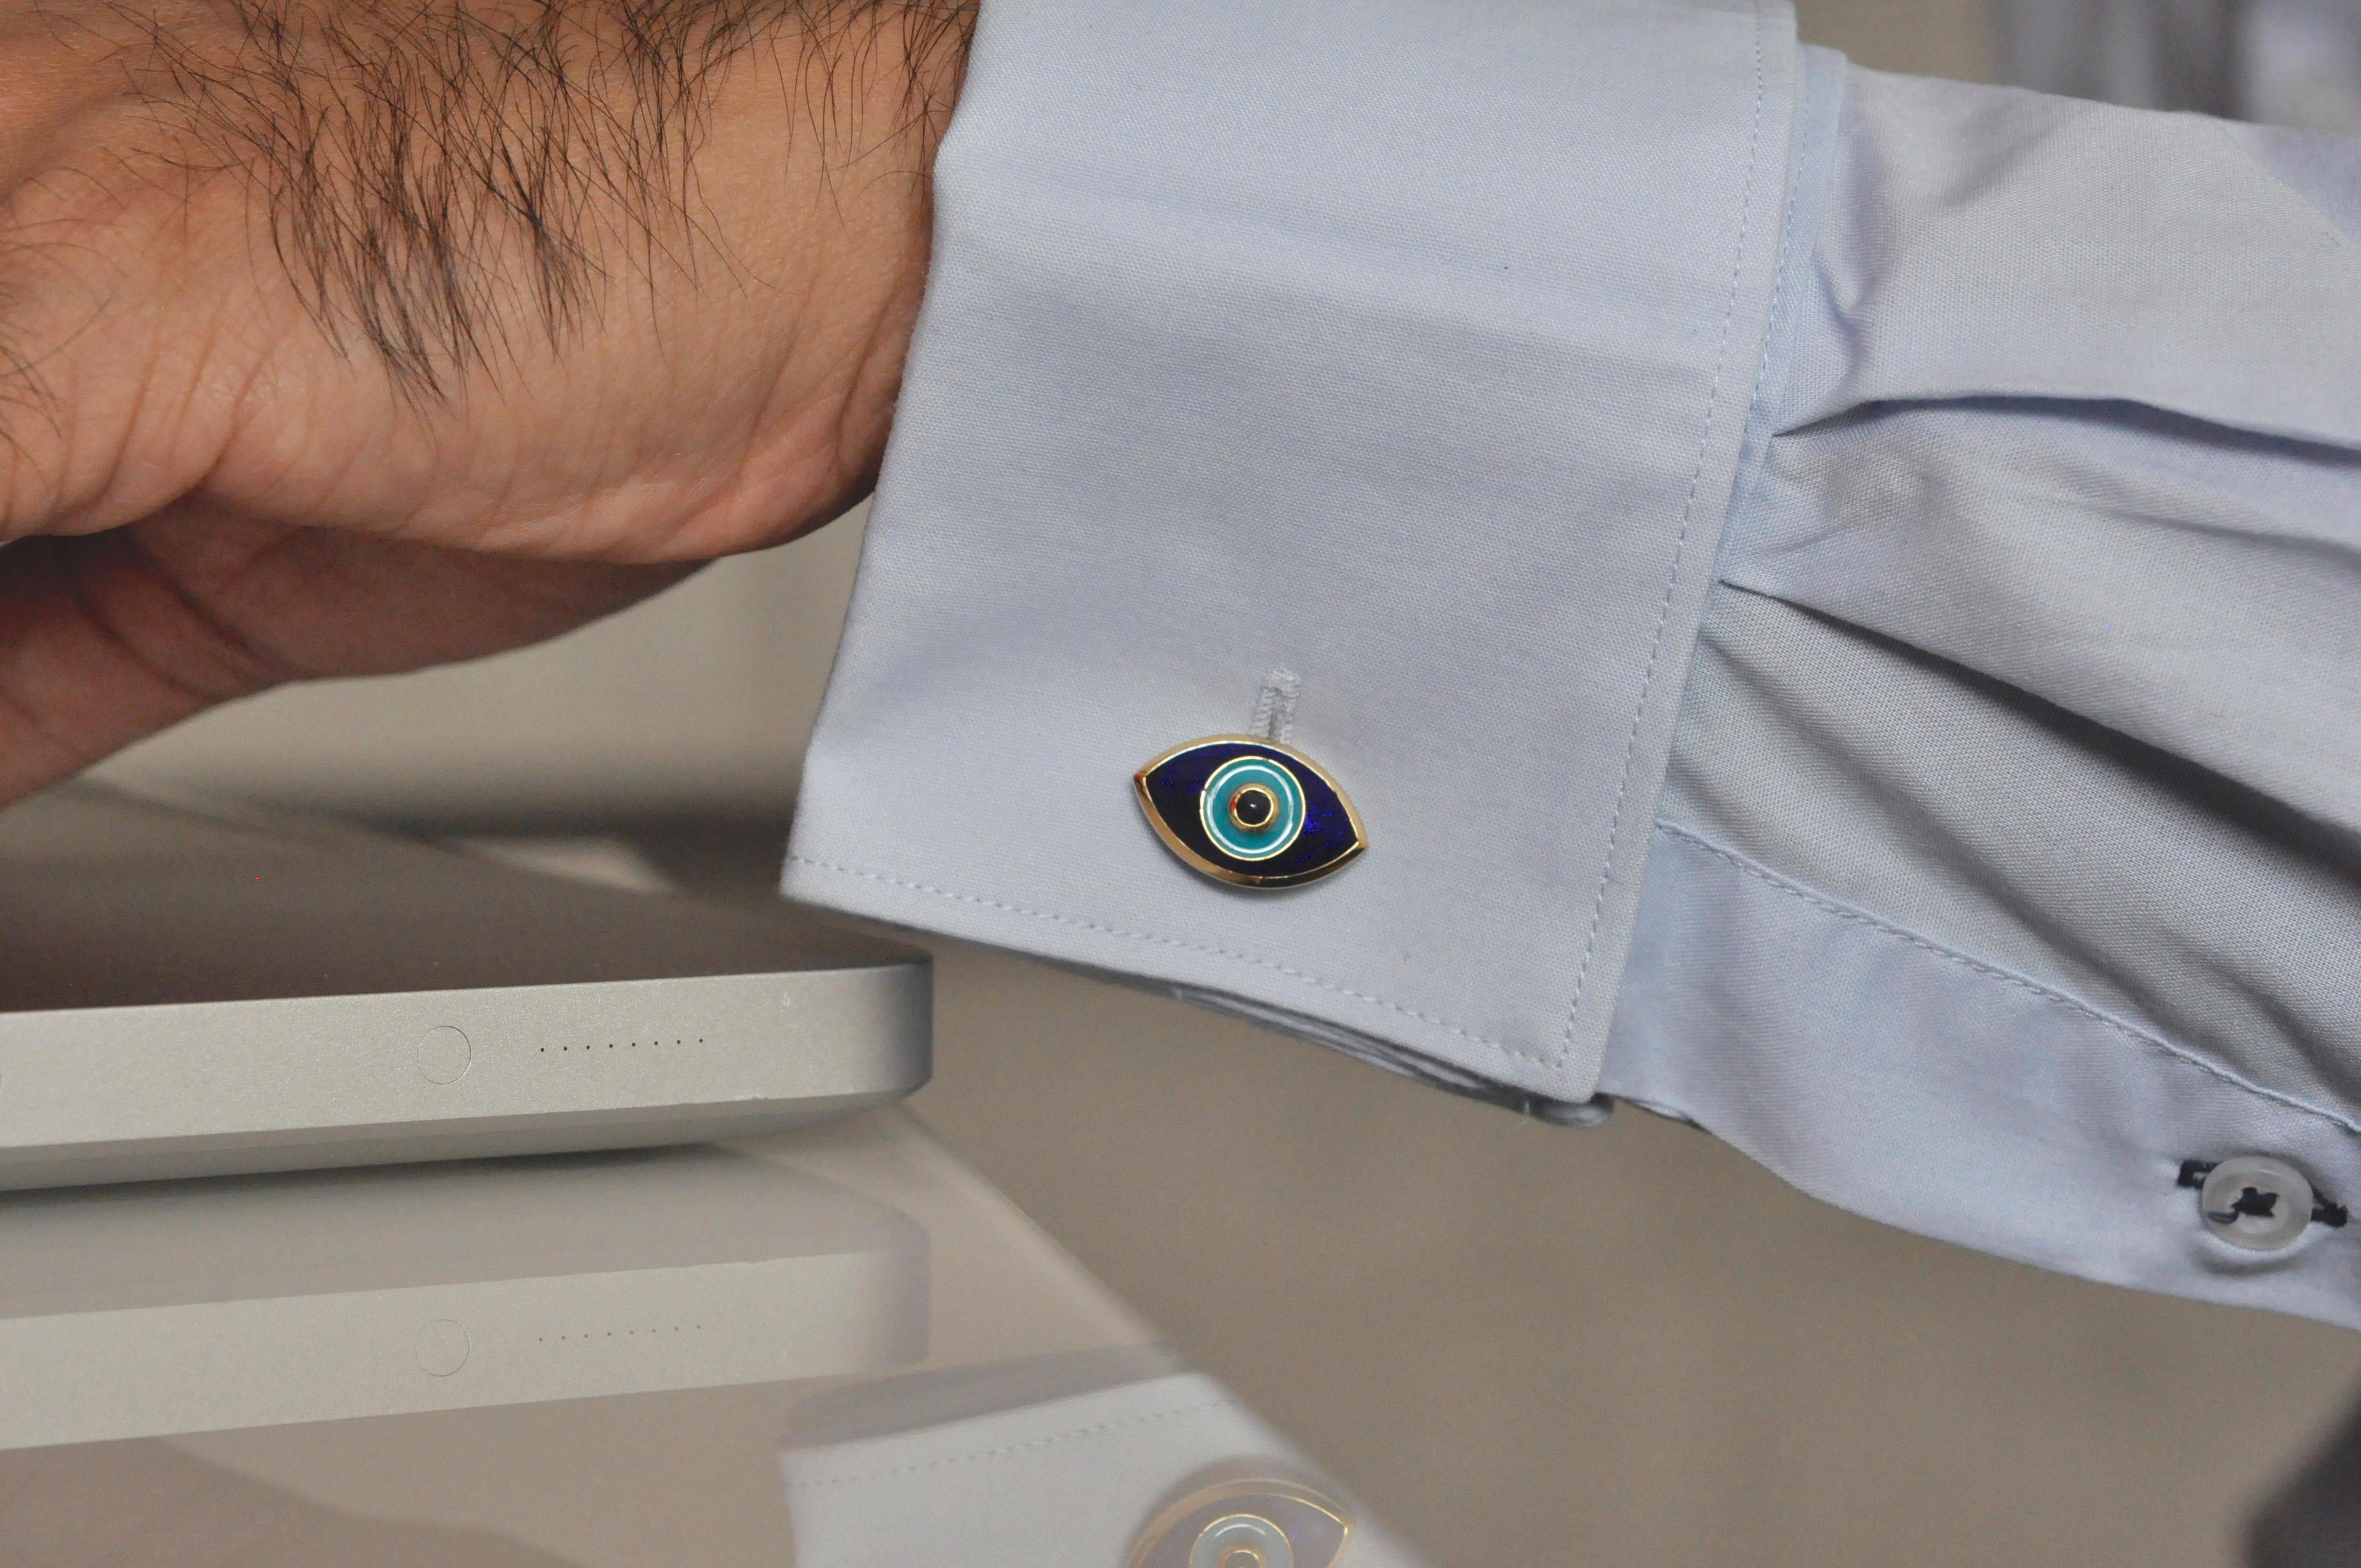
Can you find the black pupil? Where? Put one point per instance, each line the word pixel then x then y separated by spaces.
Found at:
pixel 1253 807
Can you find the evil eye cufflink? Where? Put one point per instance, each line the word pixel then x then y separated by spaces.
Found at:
pixel 1248 812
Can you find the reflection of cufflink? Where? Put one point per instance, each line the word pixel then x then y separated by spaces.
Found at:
pixel 1247 1524
pixel 1247 812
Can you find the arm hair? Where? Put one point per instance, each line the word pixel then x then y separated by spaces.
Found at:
pixel 423 164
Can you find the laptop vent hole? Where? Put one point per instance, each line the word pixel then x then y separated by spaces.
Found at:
pixel 653 1043
pixel 586 1336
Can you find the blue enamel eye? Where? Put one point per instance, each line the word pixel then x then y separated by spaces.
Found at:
pixel 1248 812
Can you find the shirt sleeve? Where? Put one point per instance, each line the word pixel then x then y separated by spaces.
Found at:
pixel 1833 594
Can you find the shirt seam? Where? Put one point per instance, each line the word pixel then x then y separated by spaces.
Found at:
pixel 2074 1005
pixel 1077 921
pixel 1820 107
pixel 1680 543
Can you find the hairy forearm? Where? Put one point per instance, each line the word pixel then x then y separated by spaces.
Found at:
pixel 439 177
pixel 345 336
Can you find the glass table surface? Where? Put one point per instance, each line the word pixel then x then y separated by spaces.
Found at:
pixel 1401 1317
pixel 832 1346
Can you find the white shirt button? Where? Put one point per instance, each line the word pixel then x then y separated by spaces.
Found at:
pixel 2255 1202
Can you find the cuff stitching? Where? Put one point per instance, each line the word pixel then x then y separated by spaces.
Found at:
pixel 1276 968
pixel 2073 1004
pixel 1680 542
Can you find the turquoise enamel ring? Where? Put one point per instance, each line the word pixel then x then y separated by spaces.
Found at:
pixel 1248 812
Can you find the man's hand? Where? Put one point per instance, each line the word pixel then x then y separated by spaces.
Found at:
pixel 340 338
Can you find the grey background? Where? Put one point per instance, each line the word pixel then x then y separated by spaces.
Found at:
pixel 1526 1345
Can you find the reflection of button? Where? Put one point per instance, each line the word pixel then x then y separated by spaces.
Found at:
pixel 442 1055
pixel 2255 1202
pixel 441 1348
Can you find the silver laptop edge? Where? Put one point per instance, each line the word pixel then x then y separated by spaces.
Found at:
pixel 282 1021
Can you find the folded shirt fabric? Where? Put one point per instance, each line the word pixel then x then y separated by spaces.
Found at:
pixel 1833 595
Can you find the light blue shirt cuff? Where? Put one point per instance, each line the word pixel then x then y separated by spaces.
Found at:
pixel 1394 358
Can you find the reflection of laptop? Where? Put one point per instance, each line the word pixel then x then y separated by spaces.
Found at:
pixel 156 1308
pixel 185 992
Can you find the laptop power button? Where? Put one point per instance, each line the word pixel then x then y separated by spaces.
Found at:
pixel 443 1055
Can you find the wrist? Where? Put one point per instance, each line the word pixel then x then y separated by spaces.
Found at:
pixel 830 166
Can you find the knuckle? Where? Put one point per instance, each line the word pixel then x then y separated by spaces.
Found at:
pixel 103 331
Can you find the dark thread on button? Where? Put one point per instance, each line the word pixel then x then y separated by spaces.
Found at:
pixel 2194 1172
pixel 2251 1202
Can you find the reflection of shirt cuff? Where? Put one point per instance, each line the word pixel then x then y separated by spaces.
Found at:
pixel 1402 348
pixel 1076 1480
